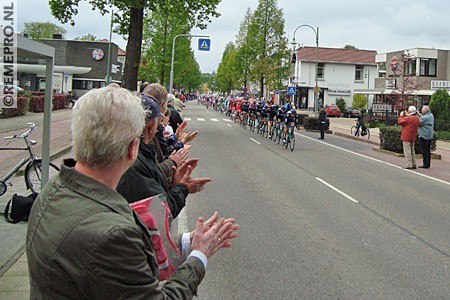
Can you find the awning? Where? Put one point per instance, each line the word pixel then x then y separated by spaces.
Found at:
pixel 40 69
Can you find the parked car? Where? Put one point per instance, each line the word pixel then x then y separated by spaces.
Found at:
pixel 10 87
pixel 351 112
pixel 332 110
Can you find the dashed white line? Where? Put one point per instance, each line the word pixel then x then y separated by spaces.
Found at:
pixel 227 120
pixel 337 190
pixel 214 120
pixel 187 119
pixel 255 141
pixel 201 119
pixel 229 125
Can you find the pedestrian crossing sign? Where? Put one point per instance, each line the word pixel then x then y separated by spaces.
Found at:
pixel 204 44
pixel 291 90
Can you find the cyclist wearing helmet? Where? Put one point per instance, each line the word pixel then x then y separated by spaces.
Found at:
pixel 272 113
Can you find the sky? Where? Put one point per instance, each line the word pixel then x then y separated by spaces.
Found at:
pixel 383 25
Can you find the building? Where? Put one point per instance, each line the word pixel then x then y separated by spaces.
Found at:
pixel 340 72
pixel 427 69
pixel 79 66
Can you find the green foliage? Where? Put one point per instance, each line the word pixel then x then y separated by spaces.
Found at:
pixel 350 47
pixel 440 107
pixel 227 72
pixel 312 123
pixel 87 37
pixel 390 140
pixel 42 30
pixel 444 135
pixel 340 102
pixel 359 101
pixel 266 42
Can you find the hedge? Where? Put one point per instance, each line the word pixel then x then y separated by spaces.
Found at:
pixel 301 118
pixel 312 123
pixel 390 140
pixel 14 112
pixel 34 102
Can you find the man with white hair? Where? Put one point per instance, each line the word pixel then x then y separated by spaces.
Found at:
pixel 84 241
pixel 410 123
pixel 426 135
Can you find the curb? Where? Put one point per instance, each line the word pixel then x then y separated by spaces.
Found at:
pixel 418 156
pixel 356 138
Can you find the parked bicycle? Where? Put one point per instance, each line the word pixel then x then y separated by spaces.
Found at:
pixel 33 169
pixel 360 131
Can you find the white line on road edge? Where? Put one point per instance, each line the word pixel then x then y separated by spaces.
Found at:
pixel 255 141
pixel 337 190
pixel 374 159
pixel 229 125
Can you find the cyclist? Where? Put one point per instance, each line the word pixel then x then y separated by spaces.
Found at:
pixel 272 113
pixel 289 122
pixel 264 118
pixel 360 124
pixel 245 109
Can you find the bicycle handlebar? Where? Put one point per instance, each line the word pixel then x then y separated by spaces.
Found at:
pixel 23 135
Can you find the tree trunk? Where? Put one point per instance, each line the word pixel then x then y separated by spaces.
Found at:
pixel 261 86
pixel 134 44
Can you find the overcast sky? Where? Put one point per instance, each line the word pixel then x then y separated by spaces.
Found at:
pixel 382 25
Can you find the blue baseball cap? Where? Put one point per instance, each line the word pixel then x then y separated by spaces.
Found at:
pixel 151 106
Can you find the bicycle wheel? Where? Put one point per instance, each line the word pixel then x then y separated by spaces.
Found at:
pixel 367 135
pixel 288 141
pixel 33 174
pixel 292 144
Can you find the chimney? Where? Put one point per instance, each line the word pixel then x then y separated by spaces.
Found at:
pixel 57 36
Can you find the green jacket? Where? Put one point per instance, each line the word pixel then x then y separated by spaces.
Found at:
pixel 84 242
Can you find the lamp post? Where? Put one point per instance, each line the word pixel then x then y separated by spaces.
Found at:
pixel 108 70
pixel 173 55
pixel 316 88
pixel 367 75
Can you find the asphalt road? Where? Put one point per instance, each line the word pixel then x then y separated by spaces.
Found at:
pixel 322 222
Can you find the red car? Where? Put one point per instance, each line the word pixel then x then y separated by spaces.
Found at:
pixel 332 111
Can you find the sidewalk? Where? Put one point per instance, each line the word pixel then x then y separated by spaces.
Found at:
pixel 14 282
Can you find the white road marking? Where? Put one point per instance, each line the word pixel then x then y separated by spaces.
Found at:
pixel 200 119
pixel 337 190
pixel 374 159
pixel 182 222
pixel 187 119
pixel 214 120
pixel 255 141
pixel 227 120
pixel 229 125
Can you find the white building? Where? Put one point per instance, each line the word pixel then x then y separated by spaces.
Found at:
pixel 340 72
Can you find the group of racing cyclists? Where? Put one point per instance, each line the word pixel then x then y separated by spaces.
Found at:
pixel 269 119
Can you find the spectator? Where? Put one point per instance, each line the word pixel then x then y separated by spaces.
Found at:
pixel 175 118
pixel 410 123
pixel 322 122
pixel 426 124
pixel 144 179
pixel 84 240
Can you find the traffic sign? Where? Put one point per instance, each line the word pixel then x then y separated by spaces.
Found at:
pixel 291 90
pixel 204 44
pixel 316 89
pixel 277 92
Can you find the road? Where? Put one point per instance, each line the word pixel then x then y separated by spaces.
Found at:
pixel 323 222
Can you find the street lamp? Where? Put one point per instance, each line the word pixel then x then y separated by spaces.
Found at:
pixel 316 88
pixel 173 55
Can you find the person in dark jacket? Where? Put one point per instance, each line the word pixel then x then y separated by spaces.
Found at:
pixel 322 122
pixel 144 179
pixel 84 241
pixel 175 117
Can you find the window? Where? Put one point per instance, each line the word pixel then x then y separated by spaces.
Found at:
pixel 428 67
pixel 86 84
pixel 381 69
pixel 359 72
pixel 410 67
pixel 320 70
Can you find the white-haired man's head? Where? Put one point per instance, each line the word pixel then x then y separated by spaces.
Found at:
pixel 104 123
pixel 425 109
pixel 412 110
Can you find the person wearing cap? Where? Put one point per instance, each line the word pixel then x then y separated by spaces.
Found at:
pixel 144 178
pixel 426 124
pixel 409 120
pixel 83 239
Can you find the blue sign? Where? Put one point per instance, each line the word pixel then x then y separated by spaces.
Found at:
pixel 277 92
pixel 204 44
pixel 291 90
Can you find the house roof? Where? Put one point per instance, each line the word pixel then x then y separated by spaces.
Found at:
pixel 339 55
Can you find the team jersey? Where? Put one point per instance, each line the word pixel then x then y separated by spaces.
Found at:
pixel 245 106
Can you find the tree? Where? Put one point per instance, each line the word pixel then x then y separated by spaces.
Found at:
pixel 87 37
pixel 359 101
pixel 350 47
pixel 440 107
pixel 245 54
pixel 129 17
pixel 404 68
pixel 267 39
pixel 340 102
pixel 227 72
pixel 42 30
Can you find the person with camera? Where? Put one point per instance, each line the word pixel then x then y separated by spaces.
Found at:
pixel 409 120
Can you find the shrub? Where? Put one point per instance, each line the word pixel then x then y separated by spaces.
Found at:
pixel 60 101
pixel 340 102
pixel 390 140
pixel 14 112
pixel 359 101
pixel 37 103
pixel 312 123
pixel 301 118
